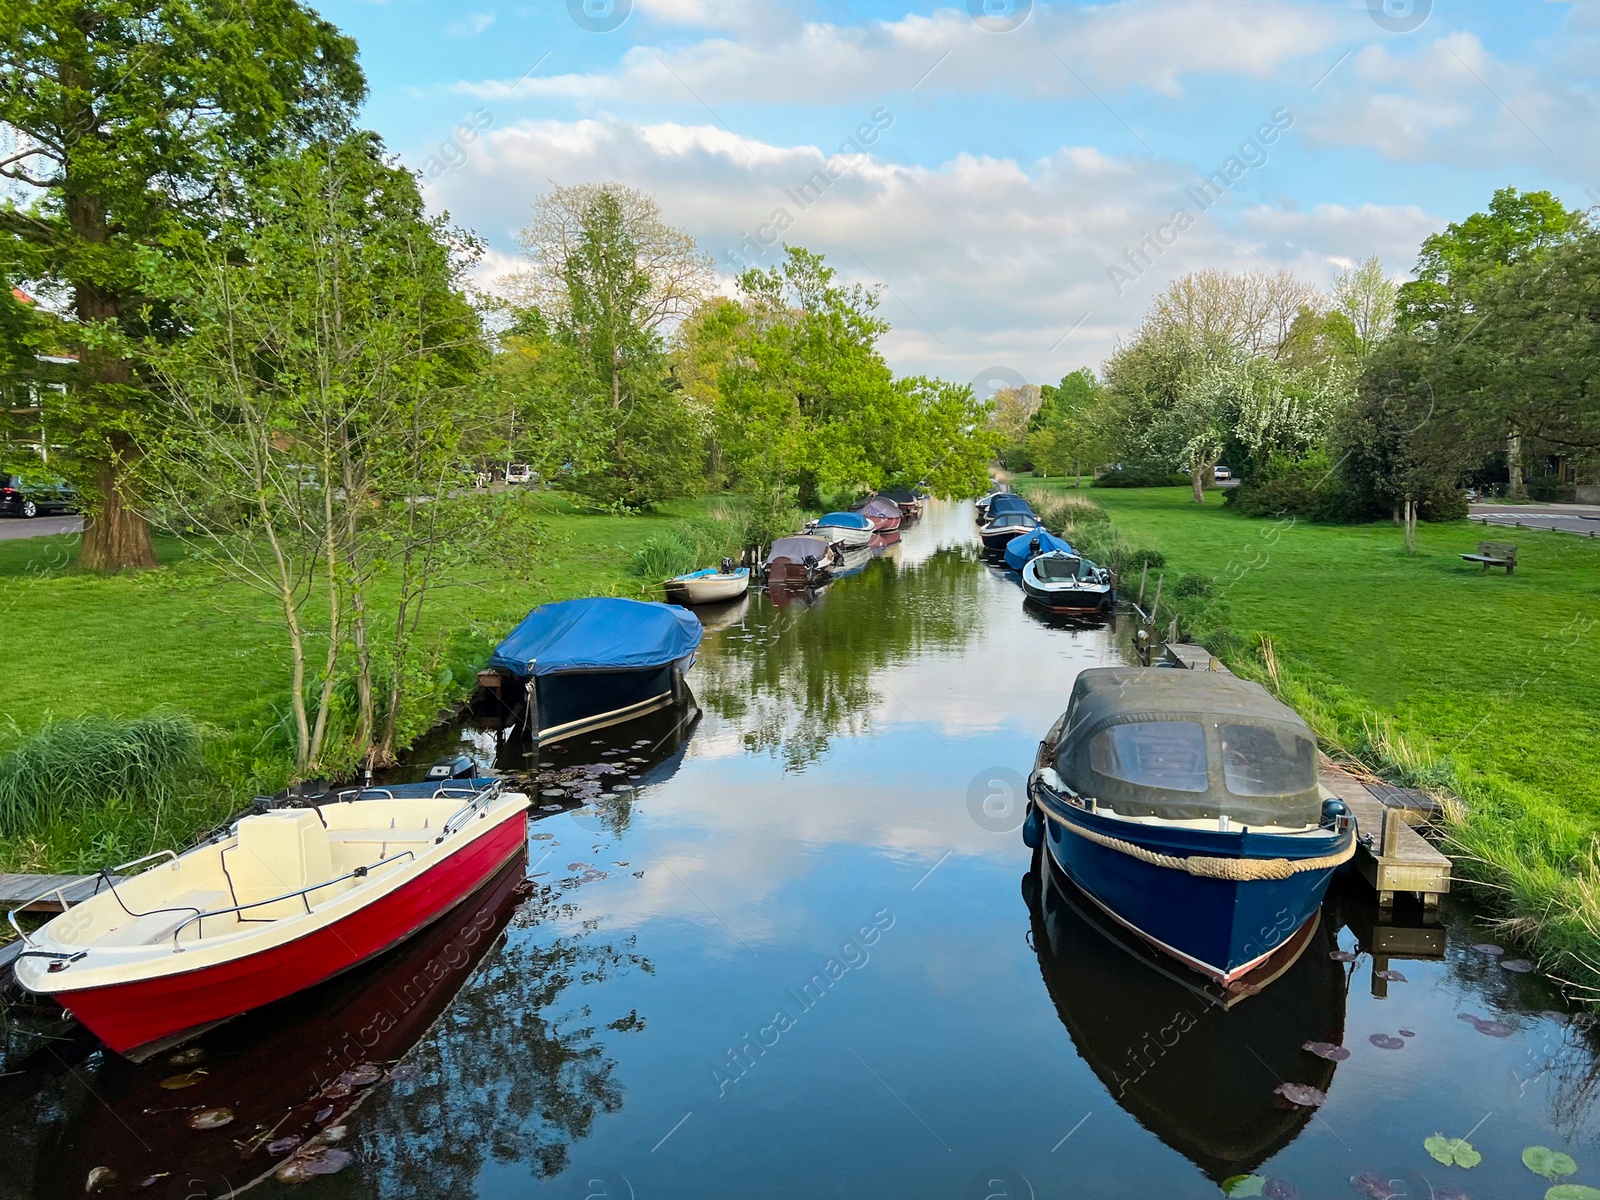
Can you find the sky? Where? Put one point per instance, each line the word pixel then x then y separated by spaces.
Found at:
pixel 1018 179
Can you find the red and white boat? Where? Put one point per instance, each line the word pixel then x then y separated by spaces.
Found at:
pixel 284 900
pixel 883 513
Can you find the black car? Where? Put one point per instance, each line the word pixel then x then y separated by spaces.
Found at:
pixel 30 495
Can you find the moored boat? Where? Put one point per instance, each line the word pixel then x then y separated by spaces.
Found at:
pixel 906 500
pixel 1006 527
pixel 284 900
pixel 581 665
pixel 1186 805
pixel 1062 581
pixel 883 513
pixel 714 585
pixel 851 530
pixel 802 559
pixel 1026 546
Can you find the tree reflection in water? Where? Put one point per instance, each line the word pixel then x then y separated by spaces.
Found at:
pixel 797 675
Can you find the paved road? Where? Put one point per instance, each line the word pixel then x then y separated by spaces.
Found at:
pixel 1581 519
pixel 17 527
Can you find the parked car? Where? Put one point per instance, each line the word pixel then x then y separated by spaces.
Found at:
pixel 519 473
pixel 1221 472
pixel 30 495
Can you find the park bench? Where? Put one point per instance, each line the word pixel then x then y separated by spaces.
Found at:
pixel 1495 554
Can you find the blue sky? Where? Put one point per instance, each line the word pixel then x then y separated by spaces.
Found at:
pixel 1015 159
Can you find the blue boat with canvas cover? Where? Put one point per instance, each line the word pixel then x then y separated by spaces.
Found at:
pixel 848 529
pixel 581 665
pixel 1009 517
pixel 1030 545
pixel 1186 805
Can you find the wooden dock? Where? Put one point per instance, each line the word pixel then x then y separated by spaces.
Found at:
pixel 1390 854
pixel 63 891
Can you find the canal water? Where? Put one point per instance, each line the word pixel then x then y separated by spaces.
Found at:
pixel 795 947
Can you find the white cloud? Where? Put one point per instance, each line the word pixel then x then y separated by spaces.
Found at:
pixel 472 24
pixel 985 261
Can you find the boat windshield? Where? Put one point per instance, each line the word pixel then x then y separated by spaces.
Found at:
pixel 1170 755
pixel 1257 761
pixel 1061 568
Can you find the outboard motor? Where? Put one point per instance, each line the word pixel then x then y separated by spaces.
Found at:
pixel 456 766
pixel 726 566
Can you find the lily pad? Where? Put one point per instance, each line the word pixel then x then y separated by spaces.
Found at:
pixel 284 1144
pixel 1490 949
pixel 1552 1164
pixel 1572 1191
pixel 1386 1041
pixel 334 1133
pixel 186 1058
pixel 100 1179
pixel 1408 1033
pixel 1489 1028
pixel 405 1071
pixel 1342 956
pixel 1520 966
pixel 1391 976
pixel 188 1079
pixel 328 1162
pixel 211 1118
pixel 1301 1094
pixel 294 1170
pixel 1281 1189
pixel 1457 1152
pixel 1326 1050
pixel 1374 1187
pixel 1244 1185
pixel 362 1075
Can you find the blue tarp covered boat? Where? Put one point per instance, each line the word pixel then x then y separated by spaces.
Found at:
pixel 1007 502
pixel 1030 545
pixel 1187 805
pixel 586 664
pixel 851 530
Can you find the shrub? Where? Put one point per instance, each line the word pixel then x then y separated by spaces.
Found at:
pixel 1548 489
pixel 1443 503
pixel 1141 477
pixel 73 766
pixel 1308 490
pixel 1192 585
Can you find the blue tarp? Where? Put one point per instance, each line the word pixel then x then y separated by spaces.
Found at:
pixel 1007 502
pixel 598 634
pixel 1022 547
pixel 844 520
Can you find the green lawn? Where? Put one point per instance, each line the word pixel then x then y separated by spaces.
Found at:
pixel 1491 683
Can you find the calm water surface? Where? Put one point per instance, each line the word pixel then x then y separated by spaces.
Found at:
pixel 800 955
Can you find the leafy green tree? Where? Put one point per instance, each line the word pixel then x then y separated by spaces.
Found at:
pixel 1073 426
pixel 128 114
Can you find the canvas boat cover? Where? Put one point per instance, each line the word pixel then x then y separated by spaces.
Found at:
pixel 1066 568
pixel 598 634
pixel 1008 502
pixel 1027 545
pixel 1019 521
pixel 798 548
pixel 900 495
pixel 878 506
pixel 844 520
pixel 1187 745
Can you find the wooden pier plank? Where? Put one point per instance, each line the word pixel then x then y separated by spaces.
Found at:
pixel 73 889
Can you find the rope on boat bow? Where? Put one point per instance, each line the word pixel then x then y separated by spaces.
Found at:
pixel 1238 870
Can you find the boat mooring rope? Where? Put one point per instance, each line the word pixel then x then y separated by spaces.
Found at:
pixel 1238 870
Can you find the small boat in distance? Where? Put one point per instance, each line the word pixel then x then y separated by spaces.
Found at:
pixel 1030 545
pixel 710 586
pixel 908 501
pixel 580 665
pixel 1005 528
pixel 284 900
pixel 883 513
pixel 1186 805
pixel 1064 582
pixel 851 530
pixel 802 559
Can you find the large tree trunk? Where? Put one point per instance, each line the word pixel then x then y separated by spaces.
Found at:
pixel 1198 477
pixel 1514 489
pixel 117 536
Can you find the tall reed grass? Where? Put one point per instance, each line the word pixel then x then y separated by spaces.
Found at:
pixel 1088 527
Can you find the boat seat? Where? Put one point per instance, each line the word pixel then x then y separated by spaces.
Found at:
pixel 157 926
pixel 278 852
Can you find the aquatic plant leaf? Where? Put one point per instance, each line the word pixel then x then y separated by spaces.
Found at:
pixel 1490 1028
pixel 1281 1189
pixel 1490 949
pixel 1572 1191
pixel 211 1118
pixel 284 1144
pixel 100 1179
pixel 1552 1164
pixel 1326 1050
pixel 186 1058
pixel 405 1071
pixel 1558 1018
pixel 335 1133
pixel 323 1115
pixel 1457 1152
pixel 1374 1187
pixel 1386 1041
pixel 1391 976
pixel 294 1170
pixel 1445 1192
pixel 362 1075
pixel 1520 966
pixel 1244 1185
pixel 1301 1094
pixel 541 837
pixel 328 1162
pixel 188 1079
pixel 1342 956
pixel 1408 1033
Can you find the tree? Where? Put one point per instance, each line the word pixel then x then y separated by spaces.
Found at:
pixel 1072 426
pixel 319 399
pixel 1249 313
pixel 1011 409
pixel 1365 298
pixel 128 114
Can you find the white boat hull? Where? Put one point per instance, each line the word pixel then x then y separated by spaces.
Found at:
pixel 711 589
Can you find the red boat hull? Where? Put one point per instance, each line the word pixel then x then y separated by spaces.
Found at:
pixel 152 1013
pixel 883 524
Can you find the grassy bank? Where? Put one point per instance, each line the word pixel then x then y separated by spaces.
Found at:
pixel 1422 667
pixel 185 641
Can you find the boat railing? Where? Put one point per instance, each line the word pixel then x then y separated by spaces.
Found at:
pixel 475 803
pixel 303 894
pixel 58 890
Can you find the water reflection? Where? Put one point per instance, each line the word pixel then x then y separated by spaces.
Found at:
pixel 1197 1070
